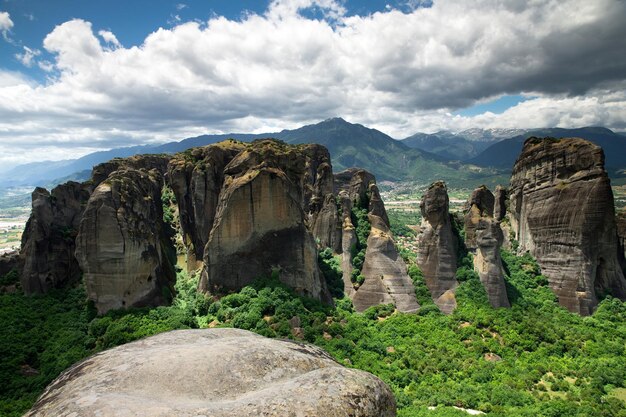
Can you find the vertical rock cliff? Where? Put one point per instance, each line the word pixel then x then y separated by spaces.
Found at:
pixel 484 237
pixel 122 246
pixel 562 211
pixel 437 247
pixel 48 242
pixel 621 236
pixel 385 277
pixel 261 220
pixel 196 177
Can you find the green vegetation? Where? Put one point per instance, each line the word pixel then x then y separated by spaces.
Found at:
pixel 362 230
pixel 553 363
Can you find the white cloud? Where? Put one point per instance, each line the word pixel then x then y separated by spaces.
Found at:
pixel 27 58
pixel 399 72
pixel 181 6
pixel 109 38
pixel 6 24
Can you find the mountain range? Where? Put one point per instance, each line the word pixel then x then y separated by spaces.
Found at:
pixel 468 157
pixel 349 145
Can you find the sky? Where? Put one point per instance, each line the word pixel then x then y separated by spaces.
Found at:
pixel 77 76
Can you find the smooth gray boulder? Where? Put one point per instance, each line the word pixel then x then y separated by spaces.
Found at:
pixel 217 373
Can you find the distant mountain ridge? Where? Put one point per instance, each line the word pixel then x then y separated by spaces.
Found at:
pixel 349 145
pixel 503 154
pixel 421 157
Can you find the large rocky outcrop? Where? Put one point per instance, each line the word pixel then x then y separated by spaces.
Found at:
pixel 621 235
pixel 196 177
pixel 501 197
pixel 562 211
pixel 484 237
pixel 122 244
pixel 481 204
pixel 386 277
pixel 102 171
pixel 10 261
pixel 385 274
pixel 261 220
pixel 216 372
pixel 48 242
pixel 437 247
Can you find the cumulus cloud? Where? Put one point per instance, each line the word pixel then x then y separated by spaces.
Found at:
pixel 27 57
pixel 399 72
pixel 109 38
pixel 6 24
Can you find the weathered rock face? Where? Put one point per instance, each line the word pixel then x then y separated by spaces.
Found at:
pixel 386 277
pixel 487 261
pixel 102 171
pixel 480 204
pixel 9 262
pixel 484 237
pixel 385 273
pixel 437 247
pixel 501 197
pixel 327 225
pixel 562 211
pixel 261 224
pixel 216 372
pixel 48 242
pixel 196 177
pixel 122 246
pixel 621 235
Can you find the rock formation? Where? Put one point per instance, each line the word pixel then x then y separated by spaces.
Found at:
pixel 562 211
pixel 122 246
pixel 261 220
pixel 9 262
pixel 500 197
pixel 386 277
pixel 216 372
pixel 245 210
pixel 48 242
pixel 481 204
pixel 621 235
pixel 437 247
pixel 196 177
pixel 484 237
pixel 385 274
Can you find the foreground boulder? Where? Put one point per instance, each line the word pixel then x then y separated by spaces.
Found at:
pixel 217 372
pixel 438 247
pixel 48 242
pixel 562 211
pixel 122 245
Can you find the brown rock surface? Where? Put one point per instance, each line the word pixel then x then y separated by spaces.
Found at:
pixel 437 247
pixel 621 234
pixel 214 372
pixel 261 224
pixel 501 197
pixel 487 261
pixel 386 277
pixel 480 204
pixel 562 211
pixel 121 246
pixel 9 262
pixel 196 177
pixel 102 171
pixel 48 241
